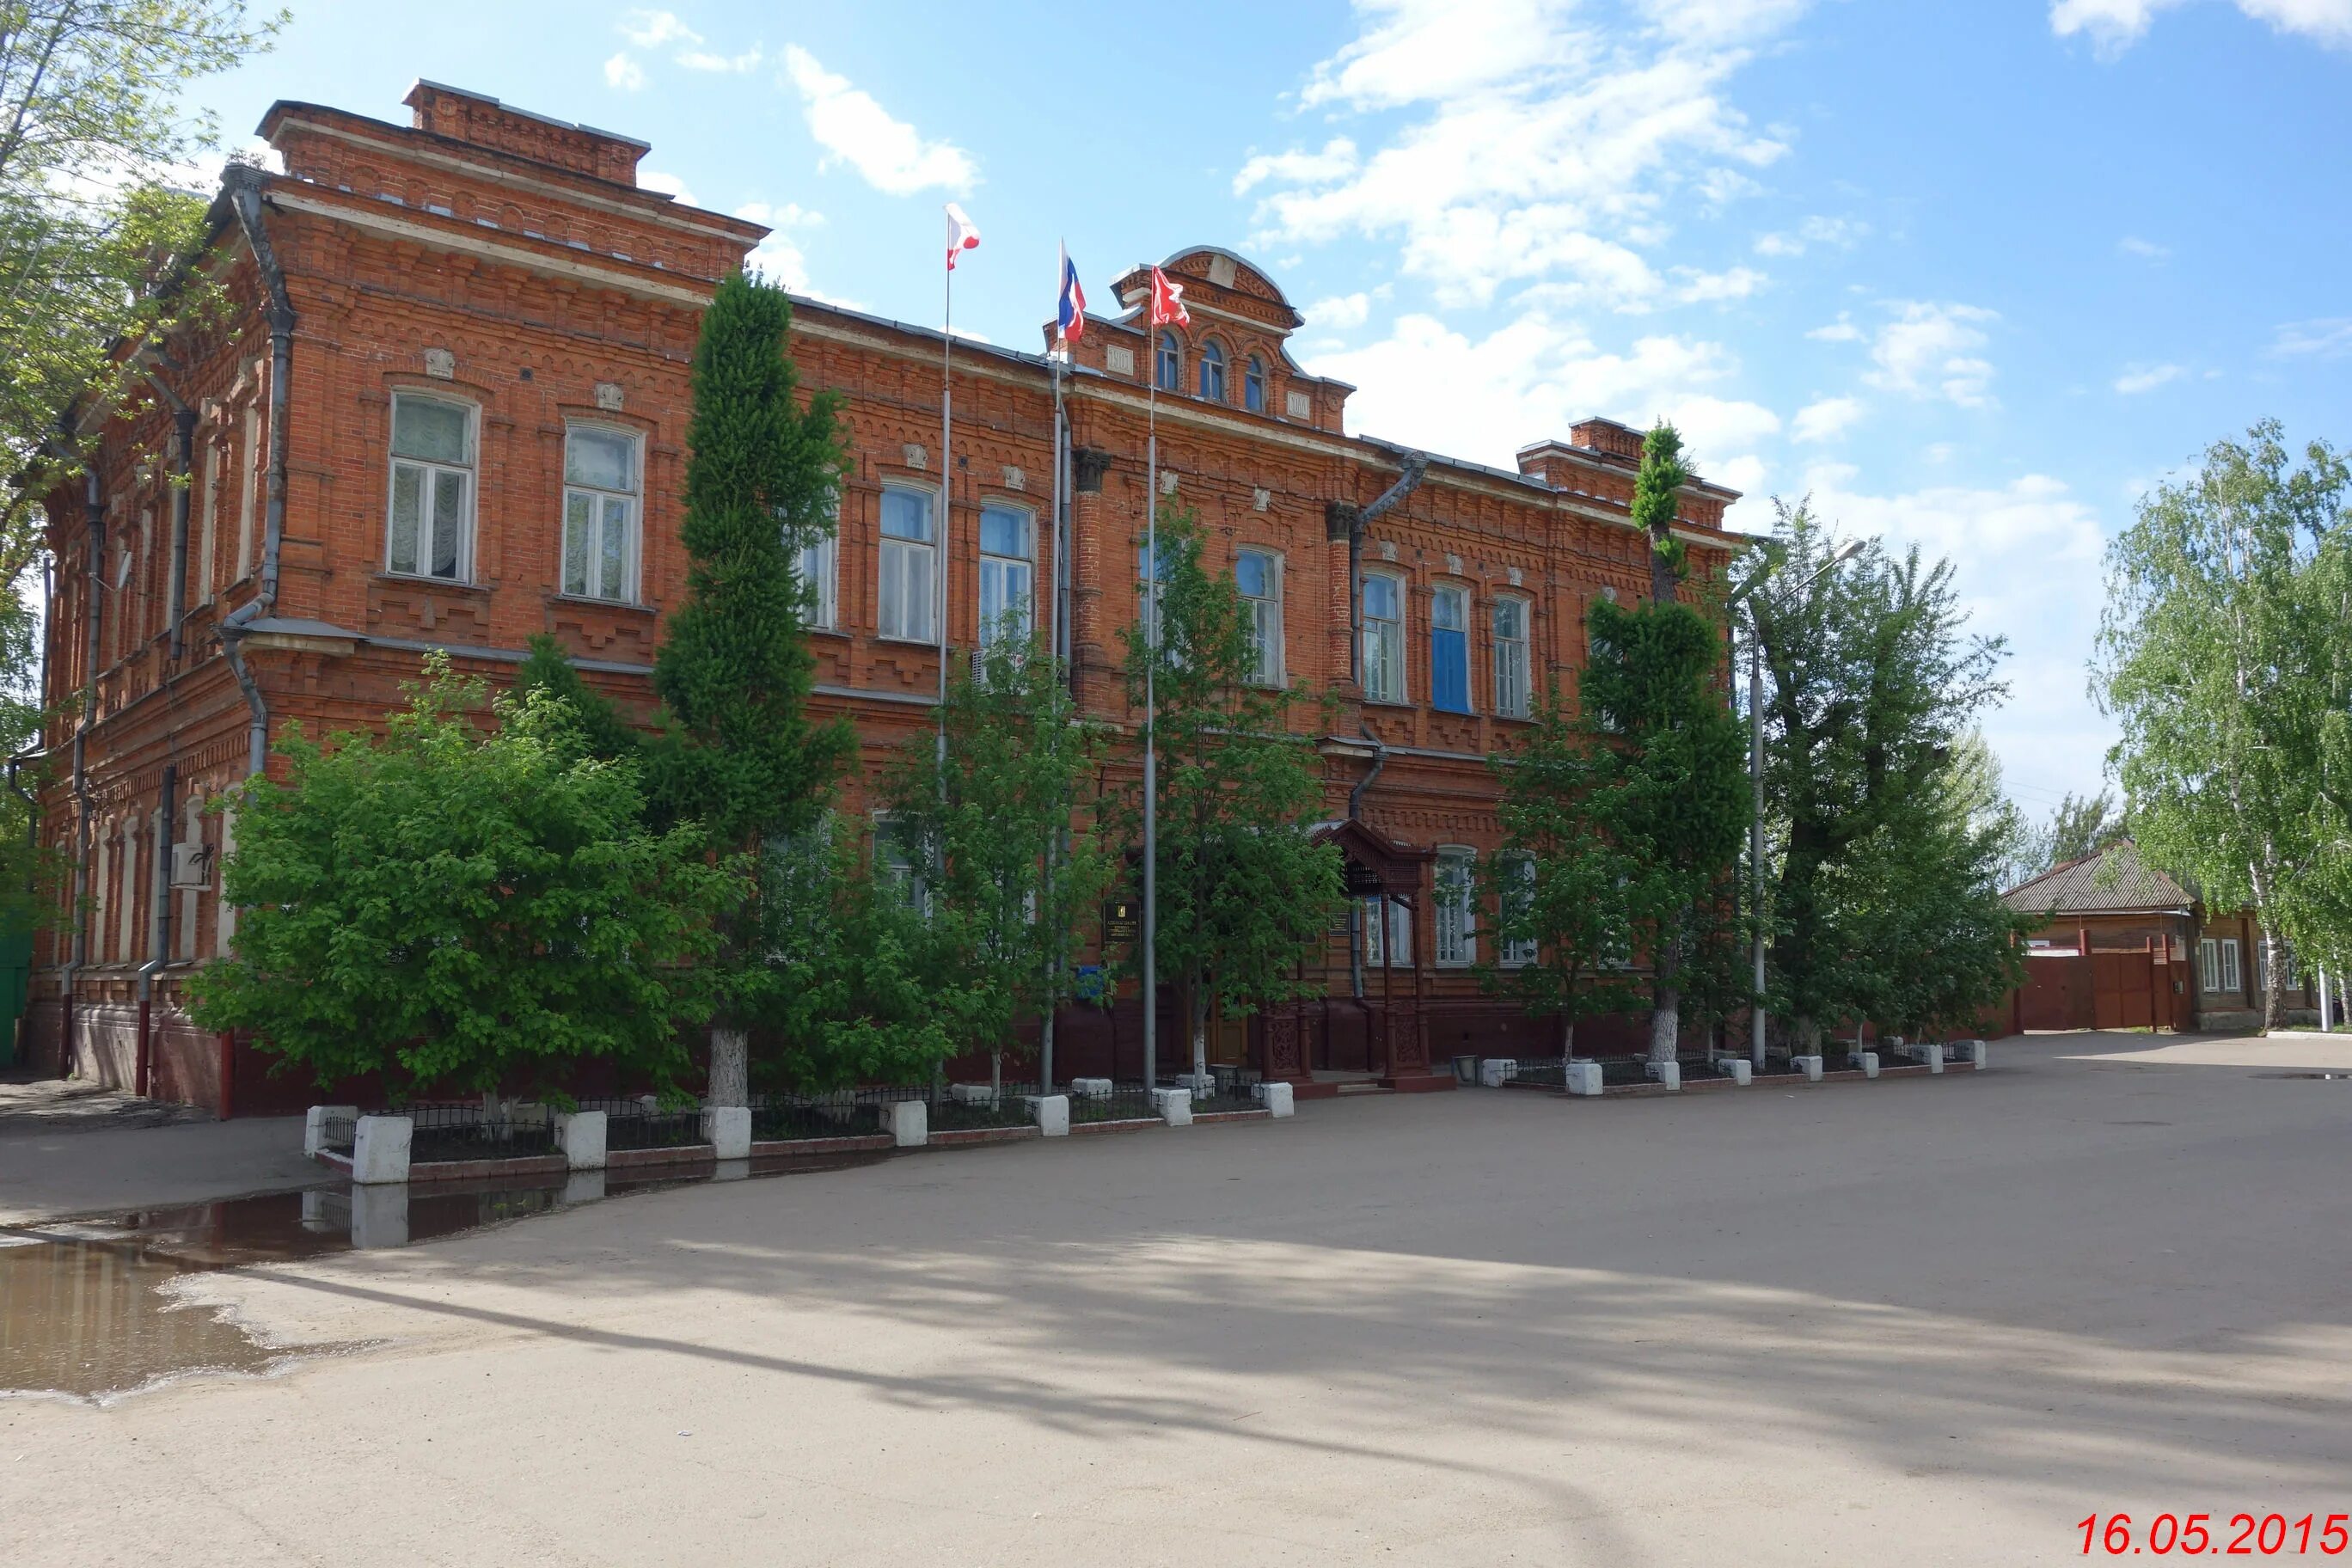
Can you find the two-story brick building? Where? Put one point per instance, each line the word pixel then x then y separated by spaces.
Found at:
pixel 447 411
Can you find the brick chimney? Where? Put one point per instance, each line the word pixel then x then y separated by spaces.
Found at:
pixel 484 122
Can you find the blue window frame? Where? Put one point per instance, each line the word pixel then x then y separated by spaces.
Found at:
pixel 1212 372
pixel 1169 364
pixel 1449 649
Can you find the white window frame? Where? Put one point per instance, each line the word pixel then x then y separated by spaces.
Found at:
pixel 208 527
pixel 1396 952
pixel 895 559
pixel 1384 644
pixel 468 474
pixel 994 565
pixel 224 913
pixel 599 498
pixel 1459 593
pixel 1151 586
pixel 819 561
pixel 1513 702
pixel 1265 617
pixel 1455 906
pixel 2219 966
pixel 897 862
pixel 250 498
pixel 1517 880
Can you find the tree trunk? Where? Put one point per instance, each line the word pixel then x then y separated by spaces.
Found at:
pixel 1661 573
pixel 731 1067
pixel 996 1076
pixel 1045 1050
pixel 1665 1022
pixel 1567 1037
pixel 1199 1039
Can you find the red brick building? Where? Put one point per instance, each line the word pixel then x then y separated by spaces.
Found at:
pixel 449 411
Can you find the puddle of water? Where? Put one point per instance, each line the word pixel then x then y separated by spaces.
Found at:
pixel 90 1311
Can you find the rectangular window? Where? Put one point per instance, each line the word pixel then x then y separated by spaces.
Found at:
pixel 432 509
pixel 208 531
pixel 1383 638
pixel 1397 949
pixel 1511 657
pixel 1007 574
pixel 599 512
pixel 1457 909
pixel 246 503
pixel 1597 651
pixel 2218 957
pixel 1258 575
pixel 1518 898
pixel 1449 649
pixel 1146 599
pixel 820 568
pixel 225 916
pixel 909 561
pixel 900 862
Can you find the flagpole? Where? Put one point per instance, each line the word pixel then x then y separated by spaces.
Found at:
pixel 1150 705
pixel 947 504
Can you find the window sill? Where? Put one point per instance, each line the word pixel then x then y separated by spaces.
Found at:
pixel 1388 702
pixel 1455 712
pixel 416 579
pixel 818 631
pixel 628 606
pixel 931 643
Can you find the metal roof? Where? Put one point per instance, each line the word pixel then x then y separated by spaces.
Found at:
pixel 2115 880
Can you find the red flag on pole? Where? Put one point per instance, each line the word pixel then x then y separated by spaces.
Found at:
pixel 962 233
pixel 1167 301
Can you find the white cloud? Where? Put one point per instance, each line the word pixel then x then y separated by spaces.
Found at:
pixel 1536 148
pixel 2145 250
pixel 1779 245
pixel 2114 25
pixel 2329 337
pixel 625 73
pixel 1695 287
pixel 1825 420
pixel 2147 378
pixel 856 130
pixel 779 257
pixel 1842 330
pixel 1340 311
pixel 651 29
pixel 1532 378
pixel 669 184
pixel 705 60
pixel 1928 350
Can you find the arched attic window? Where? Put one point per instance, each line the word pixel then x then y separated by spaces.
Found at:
pixel 1254 385
pixel 1212 371
pixel 1168 362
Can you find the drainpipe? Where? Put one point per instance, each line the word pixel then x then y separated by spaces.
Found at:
pixel 243 187
pixel 93 614
pixel 1355 906
pixel 1416 466
pixel 183 427
pixel 159 926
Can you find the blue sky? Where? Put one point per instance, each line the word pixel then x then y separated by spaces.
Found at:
pixel 1973 275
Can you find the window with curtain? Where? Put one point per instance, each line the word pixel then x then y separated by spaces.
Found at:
pixel 819 565
pixel 908 567
pixel 1449 649
pixel 1007 574
pixel 600 511
pixel 1254 385
pixel 1168 363
pixel 1212 372
pixel 1147 597
pixel 1456 908
pixel 208 531
pixel 1383 637
pixel 1518 898
pixel 1258 575
pixel 1393 948
pixel 432 505
pixel 253 465
pixel 2218 959
pixel 1511 657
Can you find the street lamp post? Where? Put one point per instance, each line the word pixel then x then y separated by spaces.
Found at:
pixel 1756 766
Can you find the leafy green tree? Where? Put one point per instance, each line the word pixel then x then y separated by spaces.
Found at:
pixel 1244 895
pixel 2225 657
pixel 1872 681
pixel 1656 490
pixel 92 133
pixel 2078 826
pixel 448 907
pixel 1674 798
pixel 1007 820
pixel 1558 881
pixel 738 753
pixel 596 724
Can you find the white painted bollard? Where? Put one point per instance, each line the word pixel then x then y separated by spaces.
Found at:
pixel 1090 1087
pixel 1276 1097
pixel 380 1150
pixel 380 1215
pixel 731 1170
pixel 728 1130
pixel 972 1094
pixel 1810 1065
pixel 581 1135
pixel 1494 1072
pixel 1869 1060
pixel 1584 1078
pixel 1174 1105
pixel 1972 1051
pixel 1933 1055
pixel 314 1125
pixel 1051 1112
pixel 1742 1070
pixel 1666 1075
pixel 908 1122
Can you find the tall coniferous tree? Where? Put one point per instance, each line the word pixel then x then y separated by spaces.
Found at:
pixel 737 752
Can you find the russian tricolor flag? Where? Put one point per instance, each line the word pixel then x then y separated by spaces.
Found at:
pixel 1070 320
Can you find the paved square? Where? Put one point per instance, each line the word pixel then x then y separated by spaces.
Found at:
pixel 1916 1322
